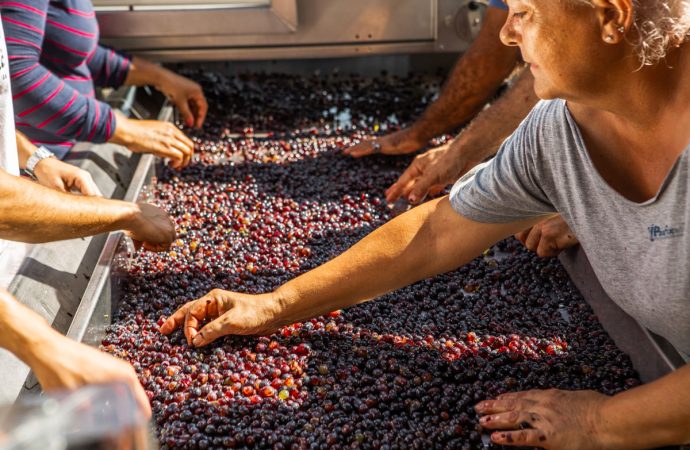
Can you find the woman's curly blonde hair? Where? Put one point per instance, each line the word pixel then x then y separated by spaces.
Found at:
pixel 660 25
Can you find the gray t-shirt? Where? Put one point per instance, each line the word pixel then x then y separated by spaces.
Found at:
pixel 639 251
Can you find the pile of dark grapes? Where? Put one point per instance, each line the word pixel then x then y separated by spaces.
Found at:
pixel 269 196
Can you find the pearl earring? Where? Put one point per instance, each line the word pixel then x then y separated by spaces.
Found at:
pixel 621 30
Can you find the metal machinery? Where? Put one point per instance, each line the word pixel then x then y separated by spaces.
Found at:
pixel 71 284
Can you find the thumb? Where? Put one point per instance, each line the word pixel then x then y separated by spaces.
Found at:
pixel 87 186
pixel 210 332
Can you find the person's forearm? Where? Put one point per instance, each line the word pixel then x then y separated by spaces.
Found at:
pixel 485 134
pixel 649 416
pixel 32 213
pixel 423 242
pixel 23 331
pixel 474 80
pixel 145 73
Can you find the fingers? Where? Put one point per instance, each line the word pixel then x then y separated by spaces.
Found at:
pixel 201 310
pixel 555 237
pixel 548 247
pixel 402 186
pixel 167 150
pixel 86 185
pixel 140 395
pixel 210 333
pixel 171 142
pixel 504 403
pixel 201 109
pixel 522 236
pixel 185 112
pixel 186 155
pixel 181 143
pixel 521 438
pixel 511 420
pixel 176 320
pixel 420 189
pixel 533 238
pixel 155 247
pixel 364 148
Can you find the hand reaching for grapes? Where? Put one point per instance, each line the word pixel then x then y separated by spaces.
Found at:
pixel 226 313
pixel 398 143
pixel 550 419
pixel 549 237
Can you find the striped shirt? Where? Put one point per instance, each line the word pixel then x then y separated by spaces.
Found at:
pixel 55 62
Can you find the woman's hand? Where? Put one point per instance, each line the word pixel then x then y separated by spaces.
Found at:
pixel 549 237
pixel 55 174
pixel 227 313
pixel 187 96
pixel 153 136
pixel 550 419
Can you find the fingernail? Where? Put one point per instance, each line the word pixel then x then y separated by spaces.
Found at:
pixel 412 199
pixel 479 406
pixel 485 419
pixel 197 340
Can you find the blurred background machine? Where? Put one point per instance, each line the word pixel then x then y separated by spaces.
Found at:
pixel 212 30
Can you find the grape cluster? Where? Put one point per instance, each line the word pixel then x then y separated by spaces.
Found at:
pixel 257 208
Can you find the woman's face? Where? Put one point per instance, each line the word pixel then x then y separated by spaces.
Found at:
pixel 563 45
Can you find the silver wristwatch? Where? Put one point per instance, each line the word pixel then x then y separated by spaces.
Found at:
pixel 40 154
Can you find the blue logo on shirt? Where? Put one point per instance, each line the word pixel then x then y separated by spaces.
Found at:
pixel 657 232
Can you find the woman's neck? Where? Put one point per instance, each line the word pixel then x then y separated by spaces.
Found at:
pixel 635 134
pixel 646 98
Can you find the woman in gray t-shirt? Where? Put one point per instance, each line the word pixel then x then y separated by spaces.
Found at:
pixel 611 158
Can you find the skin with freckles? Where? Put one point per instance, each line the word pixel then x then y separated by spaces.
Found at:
pixel 554 41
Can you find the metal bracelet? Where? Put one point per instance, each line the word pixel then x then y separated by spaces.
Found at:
pixel 376 145
pixel 39 155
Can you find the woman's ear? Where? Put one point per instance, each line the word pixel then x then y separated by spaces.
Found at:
pixel 615 19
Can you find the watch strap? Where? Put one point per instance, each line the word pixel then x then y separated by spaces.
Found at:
pixel 40 154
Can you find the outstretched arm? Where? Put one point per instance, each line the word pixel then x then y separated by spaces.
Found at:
pixel 432 171
pixel 473 81
pixel 32 213
pixel 425 241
